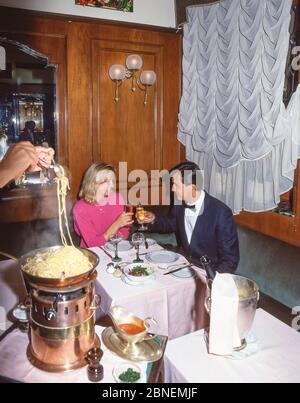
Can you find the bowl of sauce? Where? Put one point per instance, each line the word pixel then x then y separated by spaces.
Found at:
pixel 129 327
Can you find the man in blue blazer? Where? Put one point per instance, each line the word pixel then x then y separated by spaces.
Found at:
pixel 203 224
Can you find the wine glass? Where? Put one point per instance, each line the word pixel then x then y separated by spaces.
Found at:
pixel 140 215
pixel 137 240
pixel 114 240
pixel 129 209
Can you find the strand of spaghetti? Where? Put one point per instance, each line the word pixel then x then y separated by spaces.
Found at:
pixel 63 262
pixel 58 194
pixel 62 187
pixel 8 255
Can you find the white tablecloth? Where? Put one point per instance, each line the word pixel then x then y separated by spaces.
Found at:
pixel 176 304
pixel 12 291
pixel 276 361
pixel 14 363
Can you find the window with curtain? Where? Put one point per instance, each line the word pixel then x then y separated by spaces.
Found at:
pixel 232 119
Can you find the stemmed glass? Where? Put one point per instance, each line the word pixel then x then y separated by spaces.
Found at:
pixel 129 209
pixel 137 240
pixel 114 240
pixel 140 215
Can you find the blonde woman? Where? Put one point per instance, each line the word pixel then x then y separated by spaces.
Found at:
pixel 99 214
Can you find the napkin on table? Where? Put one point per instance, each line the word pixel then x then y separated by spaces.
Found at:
pixel 223 331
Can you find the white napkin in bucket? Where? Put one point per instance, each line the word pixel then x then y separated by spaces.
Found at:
pixel 223 330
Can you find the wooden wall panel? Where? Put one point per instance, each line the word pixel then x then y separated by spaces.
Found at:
pixel 128 126
pixel 91 126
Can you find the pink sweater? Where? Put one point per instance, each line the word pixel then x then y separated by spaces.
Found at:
pixel 92 220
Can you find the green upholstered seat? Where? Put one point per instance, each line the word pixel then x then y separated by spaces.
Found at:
pixel 274 265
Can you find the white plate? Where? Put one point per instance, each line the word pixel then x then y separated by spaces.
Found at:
pixel 151 241
pixel 184 273
pixel 126 280
pixel 123 246
pixel 162 256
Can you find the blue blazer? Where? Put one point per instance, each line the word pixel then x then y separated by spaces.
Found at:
pixel 214 235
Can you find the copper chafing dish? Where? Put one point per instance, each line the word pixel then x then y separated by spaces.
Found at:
pixel 61 316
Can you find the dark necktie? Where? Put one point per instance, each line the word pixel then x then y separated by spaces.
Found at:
pixel 192 208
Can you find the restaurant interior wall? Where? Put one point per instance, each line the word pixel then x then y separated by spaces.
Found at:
pixel 90 125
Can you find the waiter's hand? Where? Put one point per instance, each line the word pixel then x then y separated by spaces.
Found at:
pixel 22 157
pixel 46 155
pixel 148 219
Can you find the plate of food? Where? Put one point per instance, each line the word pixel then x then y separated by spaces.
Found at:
pixel 128 372
pixel 123 246
pixel 139 273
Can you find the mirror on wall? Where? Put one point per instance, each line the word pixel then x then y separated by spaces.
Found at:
pixel 27 98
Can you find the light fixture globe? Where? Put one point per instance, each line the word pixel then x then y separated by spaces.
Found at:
pixel 148 77
pixel 134 62
pixel 117 72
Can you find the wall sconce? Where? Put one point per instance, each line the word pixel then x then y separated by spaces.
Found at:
pixel 118 73
pixel 2 58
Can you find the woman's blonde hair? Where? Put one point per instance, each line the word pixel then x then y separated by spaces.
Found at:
pixel 96 174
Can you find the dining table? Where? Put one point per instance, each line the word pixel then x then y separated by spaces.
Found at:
pixel 271 356
pixel 15 366
pixel 12 291
pixel 175 302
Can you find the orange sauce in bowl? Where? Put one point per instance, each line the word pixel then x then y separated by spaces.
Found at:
pixel 131 328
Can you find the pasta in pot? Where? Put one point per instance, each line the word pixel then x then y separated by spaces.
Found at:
pixel 67 261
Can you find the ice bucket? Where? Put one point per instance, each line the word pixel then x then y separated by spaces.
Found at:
pixel 248 299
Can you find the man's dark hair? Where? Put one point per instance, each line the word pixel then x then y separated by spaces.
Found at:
pixel 190 174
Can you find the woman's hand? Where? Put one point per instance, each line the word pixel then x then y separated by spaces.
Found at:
pixel 124 220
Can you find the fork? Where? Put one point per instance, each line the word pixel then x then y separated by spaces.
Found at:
pixel 178 269
pixel 55 167
pixel 174 266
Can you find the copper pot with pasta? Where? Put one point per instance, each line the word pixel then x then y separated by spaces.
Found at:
pixel 60 283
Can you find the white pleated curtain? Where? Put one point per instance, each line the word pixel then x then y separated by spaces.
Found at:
pixel 232 118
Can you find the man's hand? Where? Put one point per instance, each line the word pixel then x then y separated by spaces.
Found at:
pixel 148 219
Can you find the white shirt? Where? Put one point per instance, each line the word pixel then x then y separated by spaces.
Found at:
pixel 190 216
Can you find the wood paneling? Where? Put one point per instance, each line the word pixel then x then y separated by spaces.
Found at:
pixel 28 204
pixel 129 126
pixel 90 125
